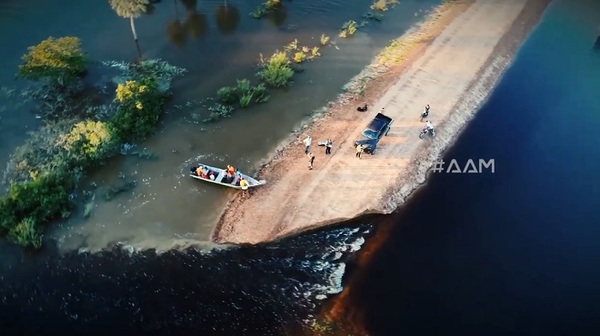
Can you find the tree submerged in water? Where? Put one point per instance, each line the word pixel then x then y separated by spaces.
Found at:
pixel 130 9
pixel 57 61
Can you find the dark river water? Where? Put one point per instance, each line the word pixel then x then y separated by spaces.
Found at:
pixel 515 252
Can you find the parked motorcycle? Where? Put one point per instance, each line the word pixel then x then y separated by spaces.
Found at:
pixel 426 131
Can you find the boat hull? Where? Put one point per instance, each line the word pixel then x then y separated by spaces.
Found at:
pixel 220 178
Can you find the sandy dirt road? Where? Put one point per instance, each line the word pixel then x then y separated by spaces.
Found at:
pixel 453 73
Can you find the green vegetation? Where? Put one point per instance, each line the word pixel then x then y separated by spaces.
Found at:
pixel 348 29
pixel 382 5
pixel 57 61
pixel 140 104
pixel 265 8
pixel 44 171
pixel 55 66
pixel 30 204
pixel 276 70
pixel 242 94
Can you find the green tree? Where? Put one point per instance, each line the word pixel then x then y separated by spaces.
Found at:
pixel 139 106
pixel 56 60
pixel 130 9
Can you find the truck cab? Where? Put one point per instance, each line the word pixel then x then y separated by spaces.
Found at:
pixel 377 128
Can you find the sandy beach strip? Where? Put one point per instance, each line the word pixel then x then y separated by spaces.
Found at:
pixel 453 61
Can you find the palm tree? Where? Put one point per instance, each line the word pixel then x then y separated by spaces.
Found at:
pixel 130 9
pixel 227 17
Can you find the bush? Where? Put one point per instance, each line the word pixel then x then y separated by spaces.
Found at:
pixel 265 8
pixel 87 141
pixel 348 29
pixel 28 204
pixel 162 72
pixel 276 71
pixel 218 111
pixel 57 60
pixel 26 234
pixel 139 108
pixel 243 94
pixel 227 95
pixel 382 5
pixel 41 152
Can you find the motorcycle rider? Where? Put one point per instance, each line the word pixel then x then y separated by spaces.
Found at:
pixel 429 126
pixel 425 113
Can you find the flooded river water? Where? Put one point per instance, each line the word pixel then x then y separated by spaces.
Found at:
pixel 217 42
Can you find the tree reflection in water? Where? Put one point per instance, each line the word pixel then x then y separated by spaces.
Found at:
pixel 227 17
pixel 195 24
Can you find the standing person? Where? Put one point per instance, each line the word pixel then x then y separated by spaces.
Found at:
pixel 328 146
pixel 307 143
pixel 359 150
pixel 311 160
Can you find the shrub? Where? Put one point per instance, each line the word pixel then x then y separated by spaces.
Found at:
pixel 139 108
pixel 28 204
pixel 42 152
pixel 26 234
pixel 160 71
pixel 348 29
pixel 218 111
pixel 227 95
pixel 265 8
pixel 87 141
pixel 243 94
pixel 382 5
pixel 56 60
pixel 299 57
pixel 276 71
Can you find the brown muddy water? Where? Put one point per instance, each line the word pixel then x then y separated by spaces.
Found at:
pixel 167 206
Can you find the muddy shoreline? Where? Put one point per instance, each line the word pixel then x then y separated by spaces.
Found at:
pixel 231 229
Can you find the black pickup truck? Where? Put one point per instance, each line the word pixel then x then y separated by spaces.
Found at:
pixel 377 128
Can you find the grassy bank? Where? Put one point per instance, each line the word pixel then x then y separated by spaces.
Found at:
pixel 76 135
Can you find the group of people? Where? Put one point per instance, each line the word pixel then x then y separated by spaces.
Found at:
pixel 360 148
pixel 232 176
pixel 425 114
pixel 311 157
pixel 204 172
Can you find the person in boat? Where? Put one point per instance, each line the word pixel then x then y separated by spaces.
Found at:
pixel 237 178
pixel 243 184
pixel 228 177
pixel 199 171
pixel 205 172
pixel 230 169
pixel 363 108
